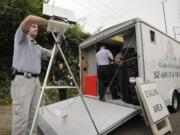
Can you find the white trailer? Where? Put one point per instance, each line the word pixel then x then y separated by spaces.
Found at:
pixel 157 59
pixel 157 56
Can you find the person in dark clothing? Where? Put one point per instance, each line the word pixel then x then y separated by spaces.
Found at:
pixel 129 70
pixel 118 72
pixel 113 82
pixel 59 77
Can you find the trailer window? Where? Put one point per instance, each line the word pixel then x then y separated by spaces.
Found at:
pixel 152 36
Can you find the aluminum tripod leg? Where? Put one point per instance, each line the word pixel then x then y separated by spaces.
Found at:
pixel 43 88
pixel 80 92
pixel 45 81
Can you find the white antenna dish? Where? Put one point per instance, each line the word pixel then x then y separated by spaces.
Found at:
pixel 56 11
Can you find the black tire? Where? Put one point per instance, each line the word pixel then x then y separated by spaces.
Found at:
pixel 175 103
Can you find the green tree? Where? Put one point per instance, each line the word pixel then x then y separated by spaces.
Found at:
pixel 12 12
pixel 73 37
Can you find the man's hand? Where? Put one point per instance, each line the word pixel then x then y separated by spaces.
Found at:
pixel 70 77
pixel 57 26
pixel 55 82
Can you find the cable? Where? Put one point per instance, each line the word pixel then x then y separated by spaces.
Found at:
pixel 83 19
pixel 94 9
pixel 95 3
pixel 103 11
pixel 108 21
pixel 121 60
pixel 109 8
pixel 116 3
pixel 87 7
pixel 104 8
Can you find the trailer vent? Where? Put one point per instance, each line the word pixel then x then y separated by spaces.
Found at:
pixel 152 36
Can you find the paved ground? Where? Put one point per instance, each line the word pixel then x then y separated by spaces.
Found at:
pixel 135 126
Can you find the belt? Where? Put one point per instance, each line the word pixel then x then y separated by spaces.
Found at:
pixel 27 74
pixel 103 65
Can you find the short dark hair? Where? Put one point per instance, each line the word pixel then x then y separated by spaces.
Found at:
pixel 101 44
pixel 60 61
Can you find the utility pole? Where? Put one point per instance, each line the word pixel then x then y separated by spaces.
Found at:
pixel 164 14
pixel 174 28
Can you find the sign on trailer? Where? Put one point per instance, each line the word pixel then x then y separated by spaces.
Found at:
pixel 153 102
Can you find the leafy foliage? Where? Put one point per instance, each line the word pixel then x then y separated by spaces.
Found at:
pixel 12 12
pixel 74 37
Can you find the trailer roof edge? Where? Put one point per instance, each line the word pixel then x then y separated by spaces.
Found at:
pixel 107 31
pixel 115 29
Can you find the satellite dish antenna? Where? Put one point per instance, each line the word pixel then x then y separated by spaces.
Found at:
pixel 50 9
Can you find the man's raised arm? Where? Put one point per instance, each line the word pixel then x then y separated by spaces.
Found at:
pixel 31 19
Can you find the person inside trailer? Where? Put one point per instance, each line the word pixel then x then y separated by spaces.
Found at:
pixel 129 70
pixel 103 58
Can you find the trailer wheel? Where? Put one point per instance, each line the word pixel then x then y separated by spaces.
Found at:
pixel 175 103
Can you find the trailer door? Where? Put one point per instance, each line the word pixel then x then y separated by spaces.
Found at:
pixel 107 116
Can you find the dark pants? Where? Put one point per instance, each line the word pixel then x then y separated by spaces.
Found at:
pixel 114 87
pixel 118 78
pixel 129 92
pixel 62 94
pixel 104 78
pixel 126 92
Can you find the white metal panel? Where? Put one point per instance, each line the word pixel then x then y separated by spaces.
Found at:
pixel 139 46
pixel 161 61
pixel 106 117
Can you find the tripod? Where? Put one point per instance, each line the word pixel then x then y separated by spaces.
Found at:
pixel 57 45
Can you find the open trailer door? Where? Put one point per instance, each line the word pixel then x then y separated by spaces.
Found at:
pixel 70 117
